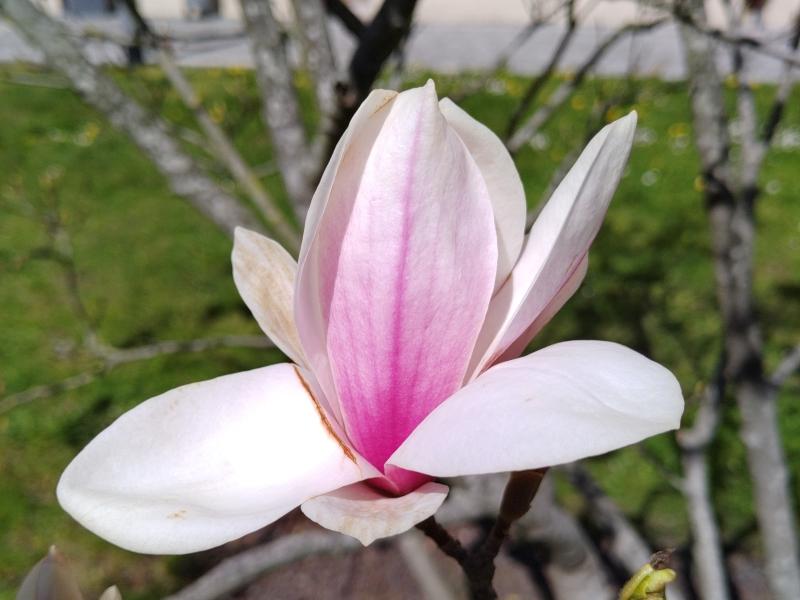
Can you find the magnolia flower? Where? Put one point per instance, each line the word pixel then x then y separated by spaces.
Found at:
pixel 413 295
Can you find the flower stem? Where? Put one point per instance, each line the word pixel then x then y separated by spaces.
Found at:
pixel 478 562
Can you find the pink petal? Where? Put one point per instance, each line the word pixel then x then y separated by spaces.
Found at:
pixel 557 405
pixel 207 463
pixel 502 181
pixel 365 514
pixel 340 179
pixel 404 267
pixel 559 300
pixel 559 240
pixel 264 274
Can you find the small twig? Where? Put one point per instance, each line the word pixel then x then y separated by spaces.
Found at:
pixel 478 563
pixel 560 96
pixel 538 83
pixel 787 367
pixel 786 56
pixel 442 538
pixel 341 11
pixel 110 358
pixel 234 573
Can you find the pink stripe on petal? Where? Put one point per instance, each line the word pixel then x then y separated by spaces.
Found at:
pixel 331 203
pixel 407 268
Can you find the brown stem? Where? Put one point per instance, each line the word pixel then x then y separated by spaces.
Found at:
pixel 478 562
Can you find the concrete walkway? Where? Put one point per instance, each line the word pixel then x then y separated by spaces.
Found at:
pixel 443 47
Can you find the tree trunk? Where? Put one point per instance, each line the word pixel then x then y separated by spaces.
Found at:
pixel 280 109
pixel 730 207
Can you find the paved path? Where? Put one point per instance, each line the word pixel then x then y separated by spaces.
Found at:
pixel 448 48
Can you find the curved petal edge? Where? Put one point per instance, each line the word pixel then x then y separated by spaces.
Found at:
pixel 362 512
pixel 563 403
pixel 208 462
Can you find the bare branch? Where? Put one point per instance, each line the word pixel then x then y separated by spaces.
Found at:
pixel 732 220
pixel 784 89
pixel 787 367
pixel 563 93
pixel 341 11
pixel 539 82
pixel 227 153
pixel 110 358
pixel 707 554
pixel 743 41
pixel 377 42
pixel 234 573
pixel 625 544
pixel 183 174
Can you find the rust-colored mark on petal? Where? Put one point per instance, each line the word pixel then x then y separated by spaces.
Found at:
pixel 325 423
pixel 179 514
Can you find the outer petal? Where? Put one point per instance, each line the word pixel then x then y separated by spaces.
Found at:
pixel 360 511
pixel 559 300
pixel 502 180
pixel 264 274
pixel 565 402
pixel 207 463
pixel 341 178
pixel 406 267
pixel 558 241
pixel 351 150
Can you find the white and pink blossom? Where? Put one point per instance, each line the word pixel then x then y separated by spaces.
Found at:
pixel 415 292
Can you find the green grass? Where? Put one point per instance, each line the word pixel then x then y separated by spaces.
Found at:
pixel 151 269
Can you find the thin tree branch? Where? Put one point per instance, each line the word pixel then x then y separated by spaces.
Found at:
pixel 109 358
pixel 564 91
pixel 786 368
pixel 625 545
pixel 707 552
pixel 478 563
pixel 341 11
pixel 280 107
pixel 541 80
pixel 221 144
pixel 685 17
pixel 443 540
pixel 377 42
pixel 226 152
pixel 150 134
pixel 236 572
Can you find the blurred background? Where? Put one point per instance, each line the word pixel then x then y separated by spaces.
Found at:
pixel 135 135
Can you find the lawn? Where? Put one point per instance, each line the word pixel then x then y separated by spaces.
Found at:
pixel 150 268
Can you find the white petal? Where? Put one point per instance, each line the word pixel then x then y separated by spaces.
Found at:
pixel 502 180
pixel 559 300
pixel 352 147
pixel 207 463
pixel 558 241
pixel 264 274
pixel 565 402
pixel 367 515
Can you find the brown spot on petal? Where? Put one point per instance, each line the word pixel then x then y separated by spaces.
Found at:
pixel 322 417
pixel 180 514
